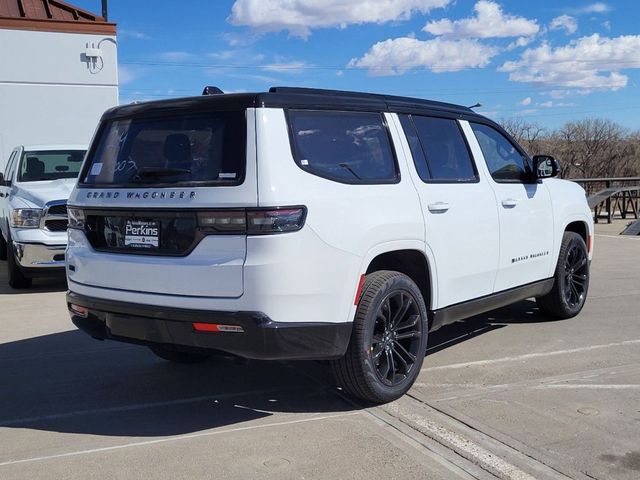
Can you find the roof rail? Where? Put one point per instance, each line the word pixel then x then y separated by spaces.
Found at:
pixel 364 95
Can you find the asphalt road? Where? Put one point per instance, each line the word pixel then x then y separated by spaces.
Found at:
pixel 510 394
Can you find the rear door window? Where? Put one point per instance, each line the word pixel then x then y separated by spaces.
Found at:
pixel 347 147
pixel 204 149
pixel 439 150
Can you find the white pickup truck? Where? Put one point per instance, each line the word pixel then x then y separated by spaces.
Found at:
pixel 34 189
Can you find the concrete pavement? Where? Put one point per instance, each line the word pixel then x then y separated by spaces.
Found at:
pixel 509 394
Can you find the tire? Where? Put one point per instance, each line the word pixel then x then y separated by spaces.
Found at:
pixel 177 356
pixel 571 280
pixel 17 279
pixel 3 247
pixel 385 353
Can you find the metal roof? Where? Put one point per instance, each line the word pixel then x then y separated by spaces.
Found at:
pixel 51 16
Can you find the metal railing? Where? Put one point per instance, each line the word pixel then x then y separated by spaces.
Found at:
pixel 614 196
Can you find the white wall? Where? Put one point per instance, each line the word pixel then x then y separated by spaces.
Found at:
pixel 49 91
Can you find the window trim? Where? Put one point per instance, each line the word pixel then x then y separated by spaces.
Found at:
pixel 7 173
pixel 141 186
pixel 448 181
pixel 514 144
pixel 297 157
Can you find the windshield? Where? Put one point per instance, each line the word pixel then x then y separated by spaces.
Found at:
pixel 206 149
pixel 50 165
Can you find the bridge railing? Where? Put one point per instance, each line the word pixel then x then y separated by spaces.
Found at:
pixel 611 197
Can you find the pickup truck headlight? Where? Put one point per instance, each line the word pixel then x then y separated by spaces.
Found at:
pixel 76 218
pixel 26 217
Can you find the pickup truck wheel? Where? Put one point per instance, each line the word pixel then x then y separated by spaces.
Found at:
pixel 388 341
pixel 17 279
pixel 571 279
pixel 176 356
pixel 3 248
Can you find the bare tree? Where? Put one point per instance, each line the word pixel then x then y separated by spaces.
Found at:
pixel 586 148
pixel 594 148
pixel 529 135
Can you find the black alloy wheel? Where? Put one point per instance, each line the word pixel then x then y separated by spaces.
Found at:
pixel 576 276
pixel 388 341
pixel 571 279
pixel 396 338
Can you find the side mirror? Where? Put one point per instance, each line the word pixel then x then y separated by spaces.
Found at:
pixel 1 179
pixel 545 166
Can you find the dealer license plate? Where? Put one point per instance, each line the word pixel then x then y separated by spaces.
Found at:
pixel 142 234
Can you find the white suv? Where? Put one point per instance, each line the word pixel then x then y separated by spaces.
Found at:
pixel 314 224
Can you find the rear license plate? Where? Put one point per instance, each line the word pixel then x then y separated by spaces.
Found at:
pixel 142 234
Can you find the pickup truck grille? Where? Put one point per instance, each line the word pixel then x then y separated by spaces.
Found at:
pixel 56 225
pixel 57 210
pixel 55 217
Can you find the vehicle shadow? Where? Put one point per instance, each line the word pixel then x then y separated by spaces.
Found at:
pixel 69 382
pixel 525 311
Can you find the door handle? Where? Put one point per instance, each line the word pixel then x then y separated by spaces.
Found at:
pixel 438 207
pixel 510 202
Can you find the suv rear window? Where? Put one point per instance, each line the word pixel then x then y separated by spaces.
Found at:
pixel 207 149
pixel 348 147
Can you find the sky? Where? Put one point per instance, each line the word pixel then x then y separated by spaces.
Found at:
pixel 544 61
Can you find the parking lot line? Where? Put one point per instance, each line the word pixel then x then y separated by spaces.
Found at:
pixel 528 356
pixel 174 439
pixel 589 385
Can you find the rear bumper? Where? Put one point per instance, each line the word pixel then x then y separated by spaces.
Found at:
pixel 262 338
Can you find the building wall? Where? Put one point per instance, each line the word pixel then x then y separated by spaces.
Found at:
pixel 49 90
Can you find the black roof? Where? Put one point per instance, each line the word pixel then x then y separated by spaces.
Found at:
pixel 293 97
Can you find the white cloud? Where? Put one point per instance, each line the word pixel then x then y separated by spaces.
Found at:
pixel 598 7
pixel 547 104
pixel 299 17
pixel 566 22
pixel 519 42
pixel 592 62
pixel 489 22
pixel 558 94
pixel 238 39
pixel 525 101
pixel 396 56
pixel 126 75
pixel 237 56
pixel 132 34
pixel 287 67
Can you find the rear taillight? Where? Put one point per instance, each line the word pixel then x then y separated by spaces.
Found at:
pixel 79 310
pixel 223 221
pixel 253 221
pixel 277 220
pixel 217 328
